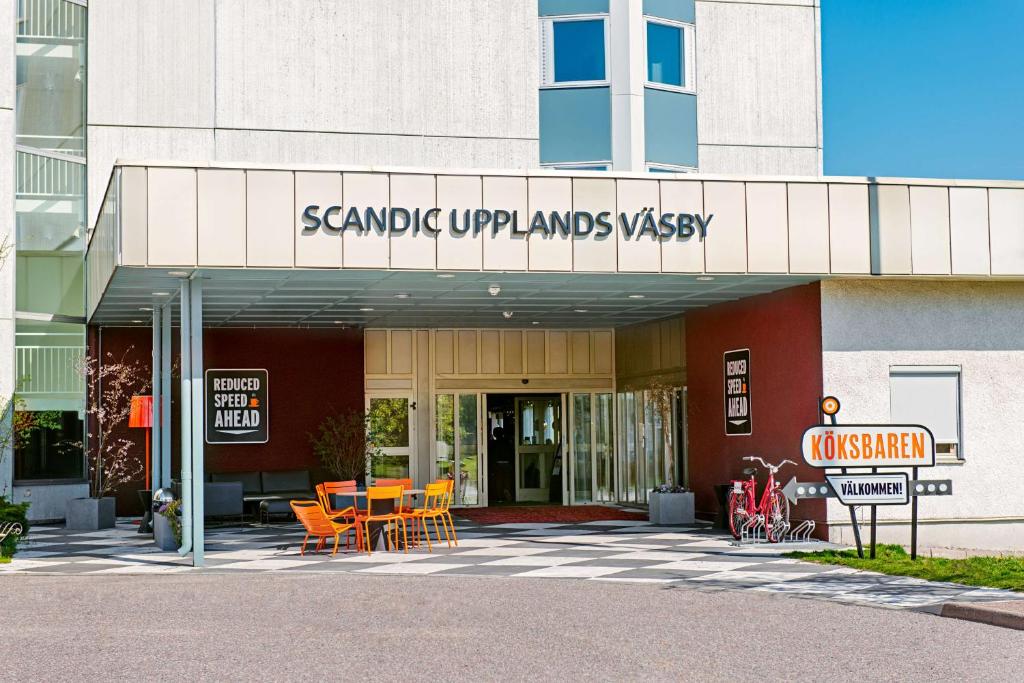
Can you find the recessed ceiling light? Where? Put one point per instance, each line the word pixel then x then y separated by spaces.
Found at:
pixel 339 322
pixel 636 296
pixel 365 309
pixel 145 308
pixel 704 278
pixel 137 321
pixel 582 310
pixel 445 276
pixel 178 273
pixel 494 290
pixel 161 293
pixel 535 322
pixel 402 296
pixel 507 315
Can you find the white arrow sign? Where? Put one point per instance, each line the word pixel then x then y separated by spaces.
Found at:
pixel 871 489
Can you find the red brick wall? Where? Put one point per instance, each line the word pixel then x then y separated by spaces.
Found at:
pixel 783 332
pixel 310 373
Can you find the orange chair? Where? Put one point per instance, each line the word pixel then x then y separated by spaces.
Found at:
pixel 351 513
pixel 406 484
pixel 394 518
pixel 433 507
pixel 318 524
pixel 446 502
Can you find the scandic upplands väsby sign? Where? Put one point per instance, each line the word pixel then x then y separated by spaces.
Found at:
pixel 843 445
pixel 336 220
pixel 236 406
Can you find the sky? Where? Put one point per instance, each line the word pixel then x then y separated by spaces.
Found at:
pixel 923 88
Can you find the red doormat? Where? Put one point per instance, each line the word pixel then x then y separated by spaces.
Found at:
pixel 548 513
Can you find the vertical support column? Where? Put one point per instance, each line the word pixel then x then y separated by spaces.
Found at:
pixel 198 399
pixel 186 417
pixel 628 72
pixel 165 393
pixel 156 467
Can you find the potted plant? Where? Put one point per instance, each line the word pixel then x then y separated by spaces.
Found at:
pixel 342 445
pixel 670 503
pixel 167 526
pixel 111 457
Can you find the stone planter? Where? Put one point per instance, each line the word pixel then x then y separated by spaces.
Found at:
pixel 163 534
pixel 90 513
pixel 671 509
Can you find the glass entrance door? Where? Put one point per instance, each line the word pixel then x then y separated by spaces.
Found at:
pixel 538 442
pixel 457 445
pixel 391 431
pixel 591 462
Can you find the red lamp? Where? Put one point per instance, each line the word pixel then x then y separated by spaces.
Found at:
pixel 141 416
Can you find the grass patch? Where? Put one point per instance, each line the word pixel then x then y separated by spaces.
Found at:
pixel 995 572
pixel 4 560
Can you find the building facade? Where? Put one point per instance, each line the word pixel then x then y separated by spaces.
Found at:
pixel 348 194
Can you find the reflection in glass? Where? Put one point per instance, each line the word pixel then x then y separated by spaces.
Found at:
pixel 579 50
pixel 389 431
pixel 582 451
pixel 627 417
pixel 469 451
pixel 604 447
pixel 444 430
pixel 664 54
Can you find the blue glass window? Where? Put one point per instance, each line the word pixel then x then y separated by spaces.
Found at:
pixel 579 50
pixel 664 54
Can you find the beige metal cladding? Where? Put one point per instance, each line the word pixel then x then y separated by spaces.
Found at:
pixel 173 216
pixel 651 352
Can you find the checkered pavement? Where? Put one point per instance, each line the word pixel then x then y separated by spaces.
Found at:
pixel 621 551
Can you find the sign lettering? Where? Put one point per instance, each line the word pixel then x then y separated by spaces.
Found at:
pixel 868 446
pixel 236 406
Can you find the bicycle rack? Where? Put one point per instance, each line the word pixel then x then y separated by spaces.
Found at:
pixel 802 532
pixel 754 531
pixel 783 532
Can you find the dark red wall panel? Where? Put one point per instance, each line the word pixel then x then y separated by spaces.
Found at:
pixel 783 332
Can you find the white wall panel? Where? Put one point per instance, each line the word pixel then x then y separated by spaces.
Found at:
pixel 593 253
pixel 549 252
pixel 725 250
pixel 682 256
pixel 171 218
pixel 317 248
pixel 221 217
pixel 639 253
pixel 929 230
pixel 7 78
pixel 506 251
pixel 369 249
pixel 133 216
pixel 808 228
pixel 759 161
pixel 411 248
pixel 151 63
pixel 410 68
pixel 270 218
pixel 968 230
pixel 767 228
pixel 849 229
pixel 1006 223
pixel 465 251
pixel 893 230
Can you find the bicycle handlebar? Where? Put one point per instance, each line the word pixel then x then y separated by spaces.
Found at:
pixel 772 468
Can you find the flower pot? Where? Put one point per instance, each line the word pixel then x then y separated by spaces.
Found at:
pixel 163 534
pixel 671 509
pixel 90 514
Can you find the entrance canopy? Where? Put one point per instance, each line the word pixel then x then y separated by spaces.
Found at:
pixel 362 246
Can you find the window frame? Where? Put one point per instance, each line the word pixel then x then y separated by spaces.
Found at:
pixel 658 167
pixel 689 70
pixel 586 166
pixel 938 371
pixel 547 52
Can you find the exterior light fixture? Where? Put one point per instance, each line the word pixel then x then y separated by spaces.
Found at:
pixel 445 276
pixel 145 308
pixel 161 293
pixel 138 321
pixel 704 278
pixel 507 315
pixel 494 290
pixel 582 310
pixel 636 296
pixel 402 295
pixel 365 310
pixel 535 322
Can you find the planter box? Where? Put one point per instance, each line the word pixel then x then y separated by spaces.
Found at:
pixel 671 509
pixel 90 513
pixel 163 534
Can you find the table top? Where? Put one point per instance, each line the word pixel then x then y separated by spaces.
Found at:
pixel 362 494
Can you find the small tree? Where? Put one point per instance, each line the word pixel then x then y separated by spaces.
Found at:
pixel 110 386
pixel 342 444
pixel 660 398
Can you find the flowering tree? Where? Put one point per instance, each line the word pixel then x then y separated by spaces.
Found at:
pixel 660 398
pixel 110 386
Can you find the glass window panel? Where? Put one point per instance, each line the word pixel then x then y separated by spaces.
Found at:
pixel 48 445
pixel 579 50
pixel 50 206
pixel 47 359
pixel 539 422
pixel 444 428
pixel 664 54
pixel 582 448
pixel 389 422
pixel 627 417
pixel 469 451
pixel 604 448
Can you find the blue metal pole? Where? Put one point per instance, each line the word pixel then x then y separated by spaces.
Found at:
pixel 186 418
pixel 198 431
pixel 157 451
pixel 167 313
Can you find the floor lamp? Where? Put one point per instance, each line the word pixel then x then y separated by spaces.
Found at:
pixel 141 417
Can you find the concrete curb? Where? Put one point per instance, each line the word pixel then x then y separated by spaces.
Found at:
pixel 1007 614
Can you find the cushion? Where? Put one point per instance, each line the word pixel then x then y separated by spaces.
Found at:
pixel 222 498
pixel 286 481
pixel 250 480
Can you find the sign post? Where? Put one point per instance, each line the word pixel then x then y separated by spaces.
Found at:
pixel 878 446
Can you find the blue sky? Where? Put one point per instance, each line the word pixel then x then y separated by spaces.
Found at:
pixel 924 88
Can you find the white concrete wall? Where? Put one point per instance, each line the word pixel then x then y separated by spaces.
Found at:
pixel 870 325
pixel 400 82
pixel 6 229
pixel 49 502
pixel 758 87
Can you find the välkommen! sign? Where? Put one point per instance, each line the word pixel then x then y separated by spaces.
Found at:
pixel 868 446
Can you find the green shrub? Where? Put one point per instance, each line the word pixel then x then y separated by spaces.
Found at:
pixel 12 512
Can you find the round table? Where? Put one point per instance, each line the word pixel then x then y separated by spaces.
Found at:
pixel 378 541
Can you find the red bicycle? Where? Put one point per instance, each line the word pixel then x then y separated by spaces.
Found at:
pixel 772 511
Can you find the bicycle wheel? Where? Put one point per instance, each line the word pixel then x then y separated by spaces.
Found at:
pixel 737 512
pixel 778 517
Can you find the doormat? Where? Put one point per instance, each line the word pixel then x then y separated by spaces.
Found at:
pixel 548 513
